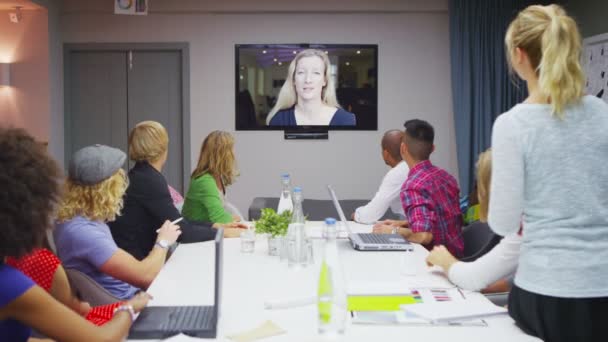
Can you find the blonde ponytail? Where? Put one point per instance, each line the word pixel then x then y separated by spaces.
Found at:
pixel 553 43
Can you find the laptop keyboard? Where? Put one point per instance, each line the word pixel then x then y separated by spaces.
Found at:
pixel 191 317
pixel 375 238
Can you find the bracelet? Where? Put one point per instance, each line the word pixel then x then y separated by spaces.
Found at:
pixel 127 308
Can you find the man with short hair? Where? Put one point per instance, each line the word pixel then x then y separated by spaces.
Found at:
pixel 429 195
pixel 388 193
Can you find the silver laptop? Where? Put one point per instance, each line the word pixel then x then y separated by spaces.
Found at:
pixel 160 322
pixel 369 241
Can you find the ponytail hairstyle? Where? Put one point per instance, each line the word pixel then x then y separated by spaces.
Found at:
pixel 552 41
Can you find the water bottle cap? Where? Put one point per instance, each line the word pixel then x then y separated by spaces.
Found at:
pixel 285 175
pixel 297 189
pixel 330 220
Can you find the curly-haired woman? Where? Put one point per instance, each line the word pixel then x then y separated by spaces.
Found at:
pixel 93 195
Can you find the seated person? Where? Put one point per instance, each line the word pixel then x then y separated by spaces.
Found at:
pixel 429 195
pixel 499 263
pixel 148 202
pixel 29 177
pixel 93 195
pixel 215 171
pixel 176 197
pixel 44 268
pixel 388 193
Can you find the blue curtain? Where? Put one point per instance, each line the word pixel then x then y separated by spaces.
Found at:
pixel 482 87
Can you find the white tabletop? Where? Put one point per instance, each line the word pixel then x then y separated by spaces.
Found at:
pixel 251 279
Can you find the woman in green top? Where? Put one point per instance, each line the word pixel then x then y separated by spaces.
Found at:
pixel 215 171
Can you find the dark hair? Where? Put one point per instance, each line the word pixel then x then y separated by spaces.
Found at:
pixel 418 138
pixel 391 142
pixel 30 183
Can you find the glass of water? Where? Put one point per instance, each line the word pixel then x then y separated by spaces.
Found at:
pixel 247 241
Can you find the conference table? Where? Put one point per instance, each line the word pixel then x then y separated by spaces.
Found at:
pixel 251 279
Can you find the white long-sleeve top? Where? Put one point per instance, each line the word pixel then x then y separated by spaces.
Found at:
pixel 499 263
pixel 553 174
pixel 387 196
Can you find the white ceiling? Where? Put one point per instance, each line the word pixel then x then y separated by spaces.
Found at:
pixel 7 5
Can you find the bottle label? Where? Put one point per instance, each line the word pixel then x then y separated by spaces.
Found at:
pixel 325 294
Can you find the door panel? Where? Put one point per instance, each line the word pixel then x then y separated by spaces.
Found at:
pixel 154 87
pixel 98 100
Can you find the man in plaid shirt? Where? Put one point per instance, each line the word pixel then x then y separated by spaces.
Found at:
pixel 429 195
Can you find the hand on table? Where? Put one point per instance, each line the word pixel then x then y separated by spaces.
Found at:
pixel 394 223
pixel 441 257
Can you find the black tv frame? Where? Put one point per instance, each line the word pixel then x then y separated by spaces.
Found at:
pixel 300 132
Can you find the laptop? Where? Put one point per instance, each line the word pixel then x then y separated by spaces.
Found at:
pixel 370 241
pixel 160 322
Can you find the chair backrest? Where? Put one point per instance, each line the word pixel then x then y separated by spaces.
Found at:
pixel 89 290
pixel 315 210
pixel 478 240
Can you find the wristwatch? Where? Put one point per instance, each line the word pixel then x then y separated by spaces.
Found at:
pixel 395 230
pixel 128 308
pixel 164 244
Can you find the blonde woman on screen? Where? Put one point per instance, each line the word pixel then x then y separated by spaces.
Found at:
pixel 549 158
pixel 308 96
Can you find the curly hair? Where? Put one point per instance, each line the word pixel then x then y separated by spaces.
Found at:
pixel 31 187
pixel 99 202
pixel 217 158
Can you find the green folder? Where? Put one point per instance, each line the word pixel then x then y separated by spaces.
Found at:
pixel 380 302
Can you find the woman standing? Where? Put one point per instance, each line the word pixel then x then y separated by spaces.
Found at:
pixel 549 167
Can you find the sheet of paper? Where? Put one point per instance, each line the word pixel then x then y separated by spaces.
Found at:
pixel 452 311
pixel 265 329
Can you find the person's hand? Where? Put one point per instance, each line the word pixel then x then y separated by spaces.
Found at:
pixel 441 257
pixel 140 301
pixel 169 232
pixel 394 223
pixel 352 216
pixel 237 225
pixel 382 229
pixel 236 218
pixel 232 232
pixel 84 308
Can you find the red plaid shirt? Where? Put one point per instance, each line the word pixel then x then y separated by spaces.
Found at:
pixel 431 204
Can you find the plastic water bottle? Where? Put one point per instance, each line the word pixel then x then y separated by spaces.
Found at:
pixel 297 246
pixel 285 201
pixel 331 295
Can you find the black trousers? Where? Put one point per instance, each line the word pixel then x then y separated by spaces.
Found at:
pixel 555 319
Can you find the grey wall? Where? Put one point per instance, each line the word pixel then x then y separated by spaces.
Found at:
pixel 591 15
pixel 413 79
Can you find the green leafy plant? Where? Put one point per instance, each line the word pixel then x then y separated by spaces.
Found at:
pixel 272 223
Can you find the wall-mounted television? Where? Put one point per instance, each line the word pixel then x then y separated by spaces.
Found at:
pixel 306 87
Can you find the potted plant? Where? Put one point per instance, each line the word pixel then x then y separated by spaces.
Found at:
pixel 275 225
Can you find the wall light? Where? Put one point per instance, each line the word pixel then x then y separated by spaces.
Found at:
pixel 5 74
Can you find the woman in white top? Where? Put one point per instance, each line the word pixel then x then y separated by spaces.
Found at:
pixel 497 264
pixel 549 170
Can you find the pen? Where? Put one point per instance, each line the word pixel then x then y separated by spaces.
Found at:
pixel 462 294
pixel 173 222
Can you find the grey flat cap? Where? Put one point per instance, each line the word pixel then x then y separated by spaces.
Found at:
pixel 93 164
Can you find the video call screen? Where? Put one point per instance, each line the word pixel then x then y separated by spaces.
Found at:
pixel 262 70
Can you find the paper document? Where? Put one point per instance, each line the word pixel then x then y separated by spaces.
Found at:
pixel 264 330
pixel 401 318
pixel 452 311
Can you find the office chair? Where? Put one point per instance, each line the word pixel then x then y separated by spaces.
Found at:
pixel 89 290
pixel 478 240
